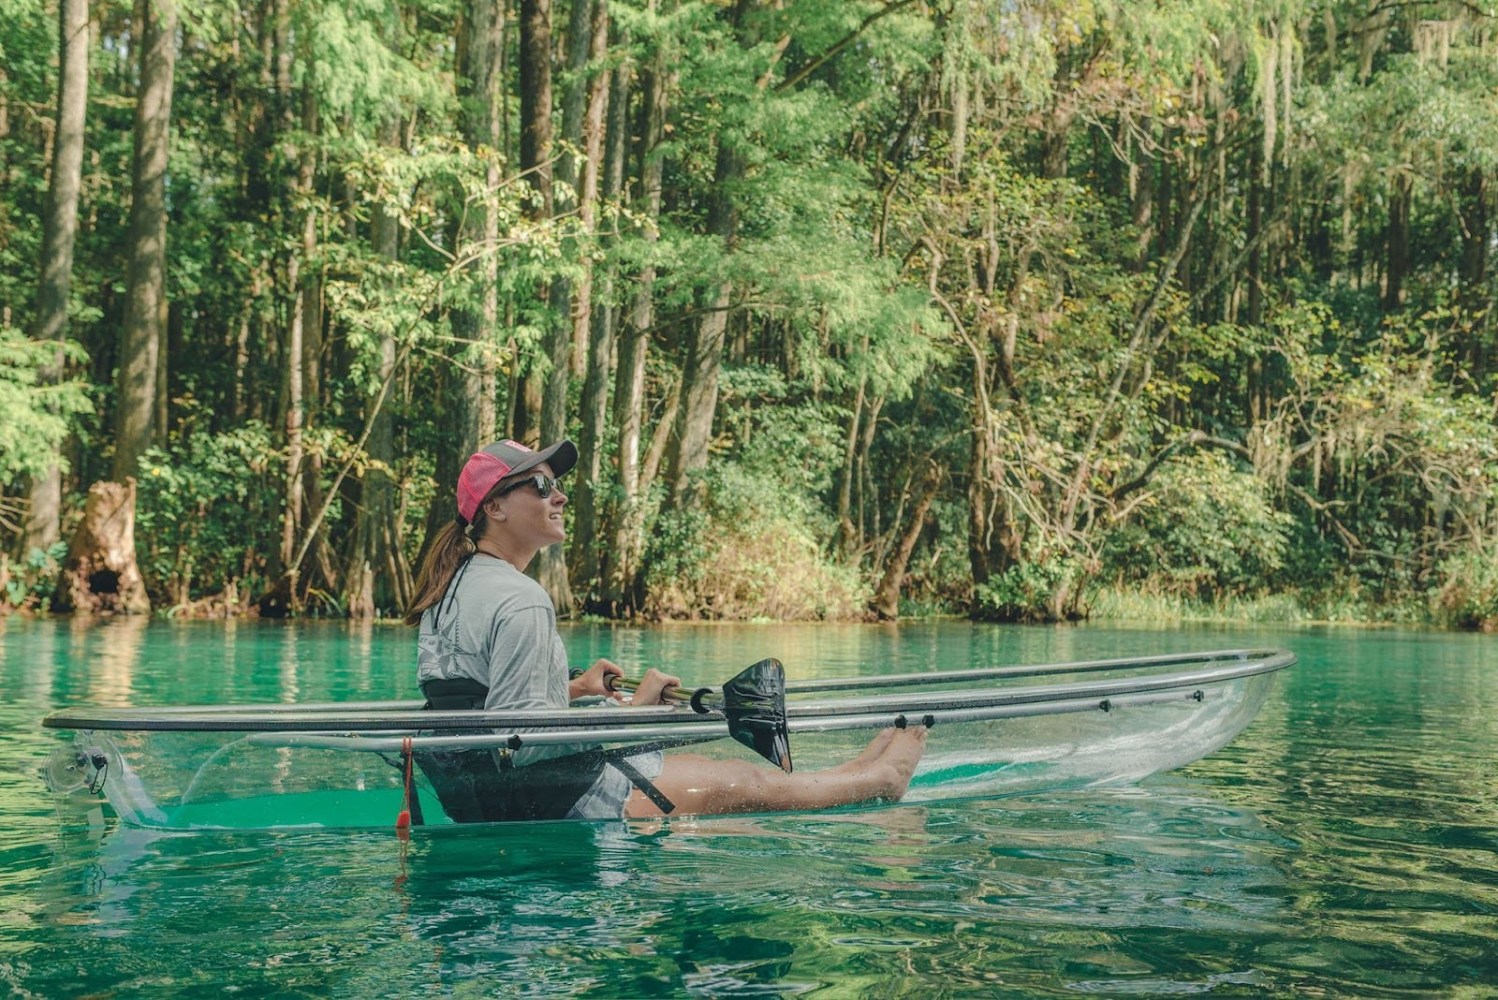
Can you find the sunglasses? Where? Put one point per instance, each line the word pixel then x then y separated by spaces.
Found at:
pixel 543 484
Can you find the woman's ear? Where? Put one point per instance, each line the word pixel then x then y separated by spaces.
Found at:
pixel 493 511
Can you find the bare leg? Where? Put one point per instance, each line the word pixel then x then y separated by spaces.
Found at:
pixel 699 785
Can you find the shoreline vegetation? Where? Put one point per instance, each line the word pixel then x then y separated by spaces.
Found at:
pixel 856 309
pixel 1106 606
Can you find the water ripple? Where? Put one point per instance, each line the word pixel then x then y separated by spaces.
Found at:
pixel 1345 846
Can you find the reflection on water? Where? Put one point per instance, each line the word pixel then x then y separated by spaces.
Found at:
pixel 1345 845
pixel 113 647
pixel 711 907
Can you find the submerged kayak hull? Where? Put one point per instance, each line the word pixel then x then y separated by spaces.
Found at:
pixel 995 732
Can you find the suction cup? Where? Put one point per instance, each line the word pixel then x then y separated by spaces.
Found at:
pixel 68 769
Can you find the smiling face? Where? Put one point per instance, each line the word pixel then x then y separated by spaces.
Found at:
pixel 520 519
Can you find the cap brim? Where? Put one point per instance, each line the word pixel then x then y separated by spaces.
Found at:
pixel 562 456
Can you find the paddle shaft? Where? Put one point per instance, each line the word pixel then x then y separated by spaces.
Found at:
pixel 679 695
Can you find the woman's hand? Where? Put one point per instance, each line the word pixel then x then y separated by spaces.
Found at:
pixel 651 686
pixel 591 681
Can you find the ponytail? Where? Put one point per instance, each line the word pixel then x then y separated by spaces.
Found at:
pixel 452 546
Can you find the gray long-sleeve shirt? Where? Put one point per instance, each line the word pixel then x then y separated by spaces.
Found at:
pixel 497 626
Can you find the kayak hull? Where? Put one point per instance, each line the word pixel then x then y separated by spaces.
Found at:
pixel 1030 730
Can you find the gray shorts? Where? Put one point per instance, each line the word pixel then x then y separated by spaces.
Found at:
pixel 607 796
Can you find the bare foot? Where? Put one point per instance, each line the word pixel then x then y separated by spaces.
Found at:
pixel 870 753
pixel 901 755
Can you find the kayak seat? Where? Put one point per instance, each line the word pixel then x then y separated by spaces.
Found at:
pixel 484 785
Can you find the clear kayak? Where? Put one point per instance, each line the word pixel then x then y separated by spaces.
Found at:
pixel 992 731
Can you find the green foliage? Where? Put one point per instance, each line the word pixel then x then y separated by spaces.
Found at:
pixel 201 511
pixel 28 582
pixel 1024 592
pixel 1194 300
pixel 1467 594
pixel 36 414
pixel 797 446
pixel 1206 530
pixel 747 554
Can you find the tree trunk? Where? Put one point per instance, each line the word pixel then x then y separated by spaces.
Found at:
pixel 1258 394
pixel 378 578
pixel 286 594
pixel 886 602
pixel 476 320
pixel 699 394
pixel 626 518
pixel 699 380
pixel 1142 201
pixel 1397 259
pixel 569 172
pixel 590 555
pixel 99 575
pixel 1056 140
pixel 534 78
pixel 465 397
pixel 592 170
pixel 59 235
pixel 486 48
pixel 311 292
pixel 1255 276
pixel 866 510
pixel 550 565
pixel 987 524
pixel 1476 236
pixel 561 353
pixel 847 534
pixel 145 270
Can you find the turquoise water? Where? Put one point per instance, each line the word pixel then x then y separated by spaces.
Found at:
pixel 1346 845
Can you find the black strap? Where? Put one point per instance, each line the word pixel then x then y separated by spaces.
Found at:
pixel 644 784
pixel 450 594
pixel 414 802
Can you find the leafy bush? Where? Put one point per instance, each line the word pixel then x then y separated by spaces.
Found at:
pixel 1206 531
pixel 26 584
pixel 1025 592
pixel 200 506
pixel 750 554
pixel 35 414
pixel 1467 596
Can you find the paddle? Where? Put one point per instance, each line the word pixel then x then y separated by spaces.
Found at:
pixel 753 702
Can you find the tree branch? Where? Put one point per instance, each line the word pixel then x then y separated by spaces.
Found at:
pixel 1190 440
pixel 842 43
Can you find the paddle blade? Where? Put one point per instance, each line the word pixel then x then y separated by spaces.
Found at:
pixel 754 703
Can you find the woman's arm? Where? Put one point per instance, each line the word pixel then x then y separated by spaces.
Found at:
pixel 591 682
pixel 525 657
pixel 651 686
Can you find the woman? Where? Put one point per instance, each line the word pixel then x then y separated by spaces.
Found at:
pixel 489 639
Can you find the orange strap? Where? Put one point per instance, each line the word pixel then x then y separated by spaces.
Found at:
pixel 403 818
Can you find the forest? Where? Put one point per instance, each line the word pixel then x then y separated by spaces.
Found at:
pixel 1026 310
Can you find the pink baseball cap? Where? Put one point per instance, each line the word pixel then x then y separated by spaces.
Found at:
pixel 492 463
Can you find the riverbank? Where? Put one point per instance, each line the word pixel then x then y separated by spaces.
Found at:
pixel 1107 606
